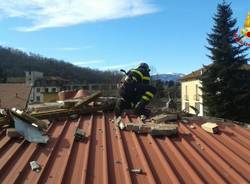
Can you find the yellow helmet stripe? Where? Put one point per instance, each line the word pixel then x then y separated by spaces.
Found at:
pixel 150 94
pixel 146 78
pixel 138 72
pixel 145 98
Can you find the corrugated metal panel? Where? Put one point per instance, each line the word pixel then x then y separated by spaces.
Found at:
pixel 108 154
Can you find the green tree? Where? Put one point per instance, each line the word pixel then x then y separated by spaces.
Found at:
pixel 159 85
pixel 226 88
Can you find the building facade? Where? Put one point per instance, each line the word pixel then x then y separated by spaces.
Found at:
pixel 191 93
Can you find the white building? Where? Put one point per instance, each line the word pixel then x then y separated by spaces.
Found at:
pixel 191 94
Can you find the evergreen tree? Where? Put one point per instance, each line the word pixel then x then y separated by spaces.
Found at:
pixel 226 88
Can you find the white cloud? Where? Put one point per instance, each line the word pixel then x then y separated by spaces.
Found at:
pixel 74 48
pixel 68 48
pixel 85 63
pixel 120 66
pixel 60 13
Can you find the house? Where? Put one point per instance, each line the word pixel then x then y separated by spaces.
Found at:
pixel 191 94
pixel 14 95
pixel 46 89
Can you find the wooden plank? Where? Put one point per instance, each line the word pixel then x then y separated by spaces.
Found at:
pixel 88 99
pixel 67 112
pixel 163 118
pixel 29 119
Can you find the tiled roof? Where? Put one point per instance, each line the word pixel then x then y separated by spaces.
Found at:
pixel 14 95
pixel 192 76
pixel 195 75
pixel 108 155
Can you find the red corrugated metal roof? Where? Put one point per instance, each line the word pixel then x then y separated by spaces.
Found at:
pixel 108 154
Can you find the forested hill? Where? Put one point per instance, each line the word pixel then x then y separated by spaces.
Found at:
pixel 13 63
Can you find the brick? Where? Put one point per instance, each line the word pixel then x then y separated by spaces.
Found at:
pixel 164 130
pixel 210 127
pixel 79 134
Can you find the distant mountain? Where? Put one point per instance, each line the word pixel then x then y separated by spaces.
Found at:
pixel 168 77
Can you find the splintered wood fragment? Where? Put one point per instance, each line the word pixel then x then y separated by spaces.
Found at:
pixel 88 99
pixel 210 127
pixel 163 118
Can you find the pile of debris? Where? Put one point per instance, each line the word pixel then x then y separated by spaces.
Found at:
pixel 160 125
pixel 31 123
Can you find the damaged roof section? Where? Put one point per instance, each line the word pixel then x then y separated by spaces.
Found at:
pixel 110 155
pixel 14 95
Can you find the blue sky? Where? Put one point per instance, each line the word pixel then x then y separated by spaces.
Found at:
pixel 114 34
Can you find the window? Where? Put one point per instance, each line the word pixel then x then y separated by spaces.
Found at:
pixel 197 106
pixel 38 90
pixel 196 96
pixel 46 90
pixel 38 98
pixel 186 107
pixel 186 93
pixel 53 89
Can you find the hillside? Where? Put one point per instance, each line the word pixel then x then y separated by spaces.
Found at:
pixel 13 63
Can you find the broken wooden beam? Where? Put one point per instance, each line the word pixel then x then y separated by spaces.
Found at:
pixel 163 118
pixel 68 112
pixel 88 99
pixel 29 119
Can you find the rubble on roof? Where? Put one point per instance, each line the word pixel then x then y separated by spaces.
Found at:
pixel 156 126
pixel 86 141
pixel 30 123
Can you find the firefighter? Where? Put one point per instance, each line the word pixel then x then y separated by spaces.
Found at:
pixel 135 91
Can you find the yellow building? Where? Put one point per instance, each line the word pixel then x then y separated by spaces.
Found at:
pixel 191 94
